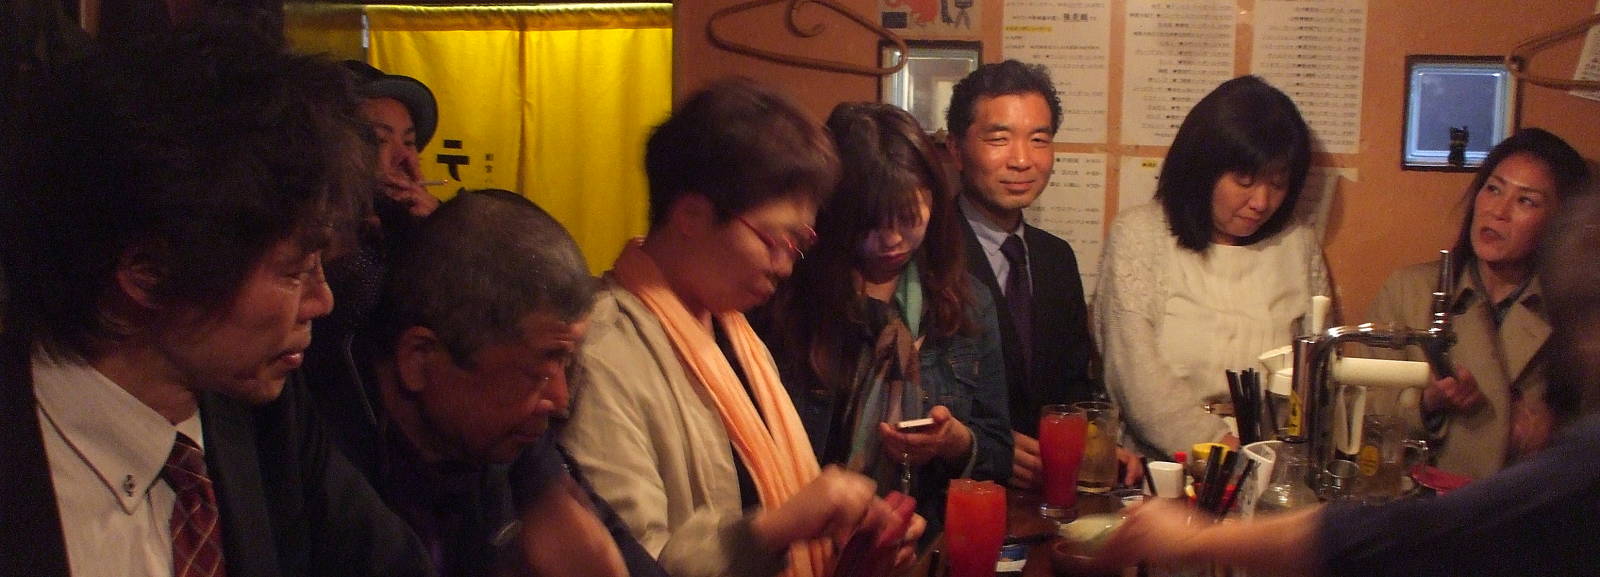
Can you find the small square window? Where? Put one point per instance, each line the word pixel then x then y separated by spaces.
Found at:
pixel 932 70
pixel 1457 108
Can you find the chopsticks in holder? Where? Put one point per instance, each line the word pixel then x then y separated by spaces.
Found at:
pixel 1244 477
pixel 1244 390
pixel 1209 481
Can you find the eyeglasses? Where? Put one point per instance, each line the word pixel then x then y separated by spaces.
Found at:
pixel 796 242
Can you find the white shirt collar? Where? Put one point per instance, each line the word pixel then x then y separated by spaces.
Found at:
pixel 990 238
pixel 124 440
pixel 988 232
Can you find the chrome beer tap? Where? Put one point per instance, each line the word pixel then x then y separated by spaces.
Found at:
pixel 1312 353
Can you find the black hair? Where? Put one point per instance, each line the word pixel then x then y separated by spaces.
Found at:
pixel 1244 126
pixel 1566 166
pixel 739 144
pixel 475 269
pixel 887 160
pixel 999 79
pixel 204 148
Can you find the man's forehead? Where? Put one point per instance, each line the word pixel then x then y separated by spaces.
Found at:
pixel 1009 111
pixel 386 112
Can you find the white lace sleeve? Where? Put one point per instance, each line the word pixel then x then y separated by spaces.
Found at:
pixel 1158 408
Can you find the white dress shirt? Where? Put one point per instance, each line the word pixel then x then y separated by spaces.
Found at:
pixel 106 450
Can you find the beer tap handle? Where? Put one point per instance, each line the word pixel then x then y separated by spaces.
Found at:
pixel 1437 347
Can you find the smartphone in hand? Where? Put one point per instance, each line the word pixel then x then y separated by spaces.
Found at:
pixel 915 425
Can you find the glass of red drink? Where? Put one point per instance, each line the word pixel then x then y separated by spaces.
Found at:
pixel 1062 432
pixel 974 527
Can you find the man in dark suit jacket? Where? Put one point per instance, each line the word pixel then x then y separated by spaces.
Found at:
pixel 1002 119
pixel 455 382
pixel 162 255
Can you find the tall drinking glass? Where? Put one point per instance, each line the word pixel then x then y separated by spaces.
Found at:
pixel 974 527
pixel 1098 474
pixel 1062 431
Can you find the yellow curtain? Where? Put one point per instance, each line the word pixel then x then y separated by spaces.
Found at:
pixel 554 102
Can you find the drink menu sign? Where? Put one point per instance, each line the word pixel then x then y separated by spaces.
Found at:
pixel 1073 207
pixel 1072 38
pixel 1175 53
pixel 1313 51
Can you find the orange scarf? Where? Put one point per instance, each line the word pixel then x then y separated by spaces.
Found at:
pixel 777 453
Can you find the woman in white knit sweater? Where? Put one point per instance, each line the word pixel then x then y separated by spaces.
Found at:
pixel 1213 273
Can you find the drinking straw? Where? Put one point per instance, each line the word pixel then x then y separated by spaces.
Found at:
pixel 1203 498
pixel 1149 483
pixel 1246 410
pixel 1249 466
pixel 1272 415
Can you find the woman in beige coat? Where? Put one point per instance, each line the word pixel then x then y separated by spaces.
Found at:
pixel 1497 408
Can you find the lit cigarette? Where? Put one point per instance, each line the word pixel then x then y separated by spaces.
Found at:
pixel 431 183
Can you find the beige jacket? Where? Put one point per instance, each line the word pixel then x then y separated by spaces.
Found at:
pixel 1507 363
pixel 649 440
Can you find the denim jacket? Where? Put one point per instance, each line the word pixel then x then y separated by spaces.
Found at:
pixel 965 374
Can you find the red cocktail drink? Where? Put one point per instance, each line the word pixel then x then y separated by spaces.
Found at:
pixel 974 527
pixel 1062 431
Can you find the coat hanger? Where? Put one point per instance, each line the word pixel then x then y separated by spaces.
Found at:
pixel 1518 58
pixel 805 61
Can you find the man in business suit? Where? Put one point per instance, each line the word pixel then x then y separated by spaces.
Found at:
pixel 1002 119
pixel 162 238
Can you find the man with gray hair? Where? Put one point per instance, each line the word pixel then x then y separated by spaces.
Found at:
pixel 467 360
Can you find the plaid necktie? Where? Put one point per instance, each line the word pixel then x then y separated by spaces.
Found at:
pixel 196 527
pixel 1019 294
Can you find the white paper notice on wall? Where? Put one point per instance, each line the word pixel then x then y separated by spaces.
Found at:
pixel 1073 207
pixel 1136 182
pixel 1589 61
pixel 1175 52
pixel 1314 51
pixel 1316 199
pixel 1072 39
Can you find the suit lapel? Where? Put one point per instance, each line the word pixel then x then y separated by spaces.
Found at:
pixel 1524 331
pixel 31 542
pixel 1010 347
pixel 978 264
pixel 231 458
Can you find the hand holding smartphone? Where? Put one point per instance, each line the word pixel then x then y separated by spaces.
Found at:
pixel 915 425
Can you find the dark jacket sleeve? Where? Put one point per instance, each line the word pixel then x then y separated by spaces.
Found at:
pixel 1538 517
pixel 327 519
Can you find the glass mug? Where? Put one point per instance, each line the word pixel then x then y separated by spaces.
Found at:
pixel 1063 430
pixel 974 527
pixel 1098 472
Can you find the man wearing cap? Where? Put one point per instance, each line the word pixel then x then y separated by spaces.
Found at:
pixel 404 114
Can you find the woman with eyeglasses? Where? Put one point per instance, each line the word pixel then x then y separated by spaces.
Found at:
pixel 879 325
pixel 679 417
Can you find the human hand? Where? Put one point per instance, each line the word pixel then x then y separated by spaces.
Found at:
pixel 885 540
pixel 1231 440
pixel 561 535
pixel 831 506
pixel 1132 469
pixel 1026 468
pixel 1532 424
pixel 1157 530
pixel 948 439
pixel 402 183
pixel 1454 394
